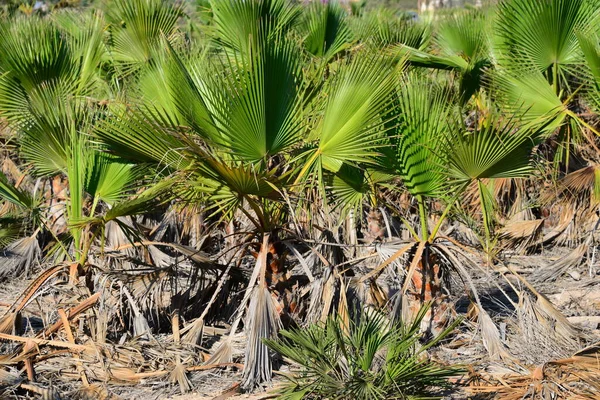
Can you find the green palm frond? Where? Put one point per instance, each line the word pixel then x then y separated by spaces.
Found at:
pixel 144 202
pixel 542 34
pixel 44 119
pixel 465 35
pixel 239 23
pixel 263 112
pixel 107 177
pixel 20 198
pixel 252 106
pixel 195 94
pixel 381 360
pixel 529 94
pixel 11 229
pixel 591 49
pixel 137 30
pixel 353 124
pixel 327 29
pixel 461 43
pixel 35 52
pixel 84 34
pixel 350 186
pixel 139 137
pixel 153 89
pixel 421 147
pixel 76 154
pixel 384 28
pixel 497 149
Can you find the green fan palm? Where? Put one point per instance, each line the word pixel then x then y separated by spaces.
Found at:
pixel 462 42
pixel 542 66
pixel 137 28
pixel 232 128
pixel 371 359
pixel 384 28
pixel 51 110
pixel 543 35
pixel 495 149
pixel 327 29
pixel 239 23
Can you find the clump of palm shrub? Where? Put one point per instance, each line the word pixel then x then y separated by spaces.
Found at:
pixel 371 358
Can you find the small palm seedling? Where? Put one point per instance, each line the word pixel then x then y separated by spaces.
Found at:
pixel 370 359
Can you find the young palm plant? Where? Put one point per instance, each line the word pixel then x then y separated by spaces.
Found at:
pixel 370 359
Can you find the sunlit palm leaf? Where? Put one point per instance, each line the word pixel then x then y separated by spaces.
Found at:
pixel 530 94
pixel 85 36
pixel 108 178
pixel 591 49
pixel 327 30
pixel 238 23
pixel 496 150
pixel 384 28
pixel 461 43
pixel 137 136
pixel 354 117
pixel 421 147
pixel 138 26
pixel 34 52
pixel 16 196
pixel 542 34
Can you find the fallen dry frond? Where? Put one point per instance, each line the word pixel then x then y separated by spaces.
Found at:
pixel 522 235
pixel 571 378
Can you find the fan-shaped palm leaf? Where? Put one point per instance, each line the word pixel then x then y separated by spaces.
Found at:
pixel 384 28
pixel 496 149
pixel 137 29
pixel 461 43
pixel 353 124
pixel 239 23
pixel 542 34
pixel 35 52
pixel 423 139
pixel 327 30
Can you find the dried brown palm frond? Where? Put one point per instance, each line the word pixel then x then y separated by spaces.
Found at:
pixel 322 293
pixel 555 270
pixel 544 315
pixel 393 253
pixel 116 237
pixel 9 319
pixel 179 376
pixel 262 322
pixel 490 333
pixel 509 194
pixel 94 392
pixel 258 322
pixel 20 256
pixel 521 234
pixel 10 377
pixel 566 218
pixel 194 334
pixel 47 394
pixel 545 329
pixel 141 328
pixel 577 194
pixel 572 378
pixel 193 225
pixel 368 292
